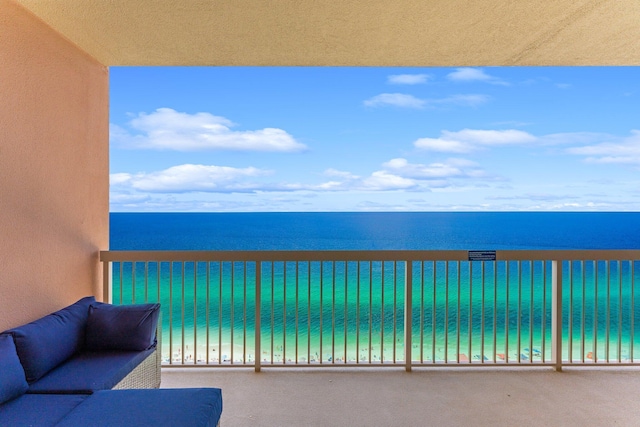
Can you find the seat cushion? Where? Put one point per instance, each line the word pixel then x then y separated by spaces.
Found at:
pixel 89 371
pixel 137 408
pixel 38 409
pixel 47 342
pixel 121 327
pixel 12 380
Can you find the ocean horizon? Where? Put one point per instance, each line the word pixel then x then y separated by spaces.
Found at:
pixel 375 230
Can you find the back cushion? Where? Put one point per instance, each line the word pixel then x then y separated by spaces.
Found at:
pixel 47 342
pixel 122 327
pixel 12 381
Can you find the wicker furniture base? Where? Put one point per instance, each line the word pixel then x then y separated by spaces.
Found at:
pixel 145 375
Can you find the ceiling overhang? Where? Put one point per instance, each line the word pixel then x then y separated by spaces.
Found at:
pixel 349 32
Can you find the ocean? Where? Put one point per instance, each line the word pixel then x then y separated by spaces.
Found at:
pixel 373 231
pixel 352 305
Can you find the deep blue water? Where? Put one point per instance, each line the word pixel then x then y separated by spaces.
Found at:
pixel 362 231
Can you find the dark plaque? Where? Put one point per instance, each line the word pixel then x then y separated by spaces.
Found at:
pixel 482 255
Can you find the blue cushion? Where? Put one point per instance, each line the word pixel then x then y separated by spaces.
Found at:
pixel 89 371
pixel 12 380
pixel 38 409
pixel 45 343
pixel 143 408
pixel 121 327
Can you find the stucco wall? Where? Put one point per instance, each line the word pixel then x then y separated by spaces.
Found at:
pixel 54 171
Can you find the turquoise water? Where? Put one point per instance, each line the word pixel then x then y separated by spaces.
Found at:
pixel 342 305
pixel 344 311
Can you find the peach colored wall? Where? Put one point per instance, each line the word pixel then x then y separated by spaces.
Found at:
pixel 54 168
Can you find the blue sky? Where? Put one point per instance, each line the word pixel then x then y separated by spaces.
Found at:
pixel 225 139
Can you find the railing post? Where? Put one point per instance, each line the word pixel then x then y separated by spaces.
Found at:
pixel 556 315
pixel 258 328
pixel 408 315
pixel 106 281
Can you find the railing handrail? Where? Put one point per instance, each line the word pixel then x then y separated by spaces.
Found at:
pixel 366 255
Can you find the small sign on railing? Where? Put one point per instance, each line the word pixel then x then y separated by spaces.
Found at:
pixel 482 255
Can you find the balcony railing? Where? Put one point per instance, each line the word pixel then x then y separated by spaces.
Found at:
pixel 385 308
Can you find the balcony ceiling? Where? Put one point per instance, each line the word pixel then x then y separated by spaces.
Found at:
pixel 349 32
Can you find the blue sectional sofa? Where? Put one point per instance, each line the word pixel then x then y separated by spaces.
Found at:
pixel 62 370
pixel 89 346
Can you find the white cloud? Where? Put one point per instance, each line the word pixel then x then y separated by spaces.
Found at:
pixel 467 74
pixel 396 100
pixel 167 129
pixel 439 174
pixel 408 79
pixel 575 138
pixel 400 175
pixel 377 181
pixel 615 150
pixel 410 101
pixel 371 206
pixel 385 181
pixel 119 178
pixel 468 140
pixel 537 197
pixel 127 199
pixel 340 174
pixel 191 178
pixel 419 171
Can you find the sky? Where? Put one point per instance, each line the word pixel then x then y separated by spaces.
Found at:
pixel 317 139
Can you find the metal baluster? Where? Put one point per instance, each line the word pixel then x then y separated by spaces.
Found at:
pixel 531 308
pixel 297 307
pixel 195 313
pixel 244 312
pixel 470 311
pixel 422 312
pixel 206 312
pixel 233 270
pixel 482 313
pixel 284 313
pixel 433 315
pixel 570 311
pixel 308 312
pixel 395 308
pixel 608 330
pixel 544 311
pixel 220 270
pixel 495 310
pixel 381 315
pixel 582 327
pixel 519 316
pixel 458 332
pixel 446 313
pixel 370 308
pixel 632 314
pixel 258 317
pixel 595 317
pixel 171 312
pixel 619 311
pixel 333 312
pixel 506 317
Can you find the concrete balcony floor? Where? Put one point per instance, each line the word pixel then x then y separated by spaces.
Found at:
pixel 424 397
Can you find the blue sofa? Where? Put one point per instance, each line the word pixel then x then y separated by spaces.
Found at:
pixel 89 346
pixel 61 369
